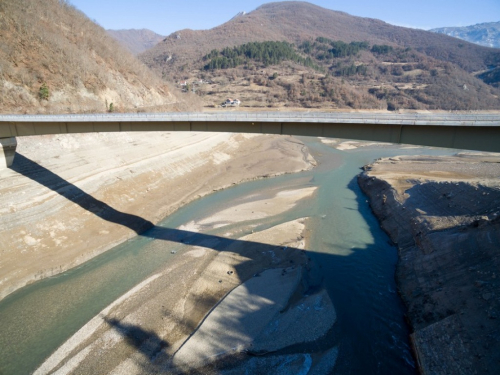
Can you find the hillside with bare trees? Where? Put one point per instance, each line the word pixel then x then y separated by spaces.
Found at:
pixel 54 59
pixel 396 68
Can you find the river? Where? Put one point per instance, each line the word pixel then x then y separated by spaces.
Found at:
pixel 354 259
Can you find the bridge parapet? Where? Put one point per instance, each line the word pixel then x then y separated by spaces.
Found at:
pixel 462 131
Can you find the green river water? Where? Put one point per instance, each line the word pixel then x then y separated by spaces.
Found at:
pixel 355 262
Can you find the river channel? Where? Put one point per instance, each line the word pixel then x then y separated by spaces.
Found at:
pixel 355 262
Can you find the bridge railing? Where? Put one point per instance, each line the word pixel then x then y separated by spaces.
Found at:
pixel 355 117
pixel 474 131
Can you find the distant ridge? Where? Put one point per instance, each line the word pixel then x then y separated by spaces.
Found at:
pixel 136 41
pixel 297 21
pixel 484 34
pixel 239 14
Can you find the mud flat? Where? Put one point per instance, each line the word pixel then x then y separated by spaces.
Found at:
pixel 443 213
pixel 68 198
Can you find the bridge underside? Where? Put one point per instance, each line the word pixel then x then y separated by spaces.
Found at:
pixel 473 137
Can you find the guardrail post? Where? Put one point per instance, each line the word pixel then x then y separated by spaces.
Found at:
pixel 7 151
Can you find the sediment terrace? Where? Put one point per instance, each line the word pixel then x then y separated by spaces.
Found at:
pixel 71 197
pixel 444 215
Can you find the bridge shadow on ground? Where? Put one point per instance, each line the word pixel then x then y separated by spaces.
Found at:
pixel 146 228
pixel 49 179
pixel 258 257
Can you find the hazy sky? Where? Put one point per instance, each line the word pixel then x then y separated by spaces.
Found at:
pixel 167 16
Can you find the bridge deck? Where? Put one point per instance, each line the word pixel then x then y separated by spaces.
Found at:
pixel 462 131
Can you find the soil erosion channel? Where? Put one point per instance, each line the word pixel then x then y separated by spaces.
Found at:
pixel 345 273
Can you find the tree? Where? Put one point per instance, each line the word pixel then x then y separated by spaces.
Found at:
pixel 382 49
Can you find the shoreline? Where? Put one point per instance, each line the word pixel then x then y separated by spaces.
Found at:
pixel 209 278
pixel 443 214
pixel 46 202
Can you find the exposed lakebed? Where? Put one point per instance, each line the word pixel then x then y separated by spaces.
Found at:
pixel 350 256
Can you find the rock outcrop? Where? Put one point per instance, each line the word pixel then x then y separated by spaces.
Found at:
pixel 443 213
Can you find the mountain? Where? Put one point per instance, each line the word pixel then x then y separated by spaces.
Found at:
pixel 485 34
pixel 398 68
pixel 54 59
pixel 136 41
pixel 295 22
pixel 239 14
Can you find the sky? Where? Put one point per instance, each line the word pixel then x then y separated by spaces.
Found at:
pixel 166 16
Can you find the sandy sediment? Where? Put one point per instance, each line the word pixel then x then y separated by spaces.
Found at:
pixel 240 317
pixel 69 198
pixel 343 145
pixel 285 364
pixel 207 307
pixel 254 210
pixel 444 215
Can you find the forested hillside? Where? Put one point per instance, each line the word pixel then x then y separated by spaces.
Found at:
pixel 267 53
pixel 330 74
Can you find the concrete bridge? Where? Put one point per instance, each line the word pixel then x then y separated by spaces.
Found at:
pixel 479 132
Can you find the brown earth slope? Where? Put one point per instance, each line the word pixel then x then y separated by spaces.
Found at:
pixel 423 70
pixel 298 21
pixel 444 215
pixel 53 59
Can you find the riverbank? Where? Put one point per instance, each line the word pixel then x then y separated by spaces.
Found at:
pixel 69 198
pixel 444 215
pixel 213 302
pixel 132 308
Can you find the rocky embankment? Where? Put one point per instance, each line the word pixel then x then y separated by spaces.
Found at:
pixel 68 198
pixel 443 213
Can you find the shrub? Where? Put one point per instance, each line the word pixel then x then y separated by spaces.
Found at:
pixel 391 106
pixel 43 92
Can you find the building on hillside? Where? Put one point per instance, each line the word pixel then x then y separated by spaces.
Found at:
pixel 231 103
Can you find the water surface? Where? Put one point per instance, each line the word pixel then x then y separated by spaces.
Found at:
pixel 353 259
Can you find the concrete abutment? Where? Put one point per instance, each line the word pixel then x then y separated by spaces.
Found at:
pixel 7 151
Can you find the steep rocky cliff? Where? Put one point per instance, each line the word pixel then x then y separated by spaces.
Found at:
pixel 443 213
